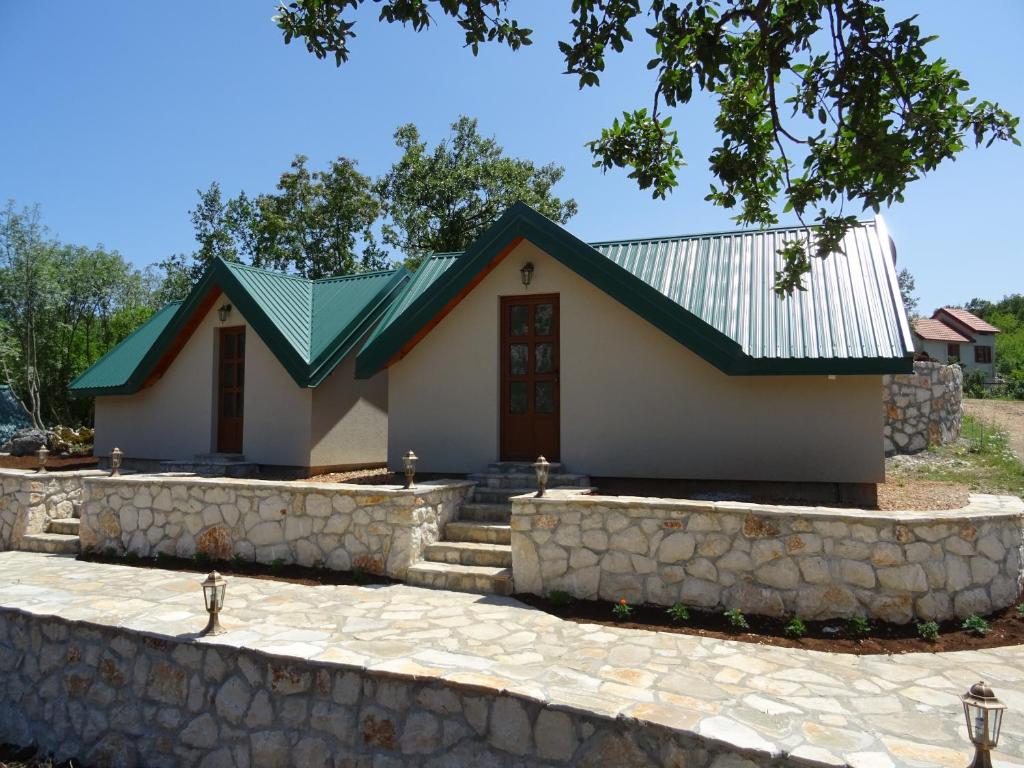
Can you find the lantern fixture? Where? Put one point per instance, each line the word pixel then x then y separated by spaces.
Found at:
pixel 213 595
pixel 543 468
pixel 223 312
pixel 526 273
pixel 41 455
pixel 409 467
pixel 984 715
pixel 115 461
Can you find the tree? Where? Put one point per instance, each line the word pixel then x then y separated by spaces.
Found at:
pixel 822 103
pixel 907 286
pixel 441 200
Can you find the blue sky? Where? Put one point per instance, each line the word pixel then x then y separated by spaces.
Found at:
pixel 116 112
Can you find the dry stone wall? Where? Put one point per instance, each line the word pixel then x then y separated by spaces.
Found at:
pixel 28 501
pixel 922 408
pixel 381 529
pixel 812 562
pixel 115 697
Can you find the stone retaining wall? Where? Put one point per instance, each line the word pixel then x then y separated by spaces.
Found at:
pixel 922 408
pixel 28 501
pixel 115 697
pixel 382 529
pixel 811 562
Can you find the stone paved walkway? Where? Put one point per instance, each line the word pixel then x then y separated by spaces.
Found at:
pixel 867 711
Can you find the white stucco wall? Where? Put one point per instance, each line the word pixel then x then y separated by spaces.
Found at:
pixel 175 417
pixel 938 350
pixel 634 402
pixel 350 418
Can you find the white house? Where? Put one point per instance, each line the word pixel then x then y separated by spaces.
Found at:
pixel 956 334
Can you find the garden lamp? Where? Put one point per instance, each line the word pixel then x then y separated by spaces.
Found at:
pixel 984 715
pixel 41 455
pixel 543 468
pixel 213 594
pixel 115 461
pixel 409 466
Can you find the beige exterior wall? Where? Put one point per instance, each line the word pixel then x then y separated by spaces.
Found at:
pixel 350 418
pixel 344 421
pixel 634 402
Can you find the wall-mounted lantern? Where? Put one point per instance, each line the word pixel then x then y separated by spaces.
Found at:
pixel 409 466
pixel 984 715
pixel 526 273
pixel 41 455
pixel 223 312
pixel 116 456
pixel 213 594
pixel 542 467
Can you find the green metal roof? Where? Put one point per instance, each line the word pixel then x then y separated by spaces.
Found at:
pixel 711 292
pixel 309 325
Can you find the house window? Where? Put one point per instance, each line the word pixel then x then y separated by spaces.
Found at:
pixel 953 351
pixel 983 354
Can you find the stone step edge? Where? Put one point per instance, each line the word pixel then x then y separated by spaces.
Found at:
pixel 493 571
pixel 68 537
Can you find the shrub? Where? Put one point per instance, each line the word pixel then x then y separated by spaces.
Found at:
pixel 559 597
pixel 622 610
pixel 1020 610
pixel 678 612
pixel 928 630
pixel 796 628
pixel 859 626
pixel 360 575
pixel 201 558
pixel 977 625
pixel 974 384
pixel 277 564
pixel 736 619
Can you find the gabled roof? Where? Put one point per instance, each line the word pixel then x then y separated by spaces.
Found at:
pixel 936 330
pixel 969 319
pixel 711 292
pixel 309 325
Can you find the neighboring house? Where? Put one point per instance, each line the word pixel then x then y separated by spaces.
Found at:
pixel 252 362
pixel 652 358
pixel 956 334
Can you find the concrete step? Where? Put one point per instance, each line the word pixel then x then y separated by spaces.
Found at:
pixel 492 496
pixel 485 533
pixel 212 469
pixel 522 467
pixel 461 578
pixel 486 513
pixel 64 525
pixel 524 480
pixel 219 458
pixel 470 553
pixel 52 543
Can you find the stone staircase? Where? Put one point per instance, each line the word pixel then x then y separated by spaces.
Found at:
pixel 60 538
pixel 213 465
pixel 476 552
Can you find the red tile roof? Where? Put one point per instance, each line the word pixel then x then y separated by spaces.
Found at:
pixel 934 330
pixel 973 322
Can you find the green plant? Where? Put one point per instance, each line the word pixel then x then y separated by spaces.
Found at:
pixel 360 575
pixel 795 628
pixel 977 625
pixel 1020 610
pixel 237 560
pixel 622 610
pixel 277 564
pixel 859 626
pixel 678 612
pixel 201 558
pixel 736 619
pixel 559 597
pixel 928 630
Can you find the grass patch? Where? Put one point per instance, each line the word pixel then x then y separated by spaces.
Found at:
pixel 981 460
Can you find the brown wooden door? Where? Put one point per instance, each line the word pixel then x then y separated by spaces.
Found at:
pixel 230 389
pixel 529 378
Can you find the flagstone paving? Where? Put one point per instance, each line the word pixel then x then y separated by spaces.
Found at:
pixel 828 709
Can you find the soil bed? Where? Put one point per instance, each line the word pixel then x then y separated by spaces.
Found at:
pixel 834 636
pixel 12 756
pixel 293 574
pixel 53 464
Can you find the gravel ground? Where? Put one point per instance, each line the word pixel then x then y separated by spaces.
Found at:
pixel 1007 415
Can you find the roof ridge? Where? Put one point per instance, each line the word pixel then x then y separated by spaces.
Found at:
pixel 711 233
pixel 267 271
pixel 354 275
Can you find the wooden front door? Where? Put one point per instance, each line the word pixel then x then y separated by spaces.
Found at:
pixel 230 389
pixel 529 378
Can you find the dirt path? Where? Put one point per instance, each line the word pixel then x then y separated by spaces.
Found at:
pixel 1008 415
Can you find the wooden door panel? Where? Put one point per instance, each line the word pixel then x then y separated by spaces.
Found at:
pixel 529 350
pixel 230 389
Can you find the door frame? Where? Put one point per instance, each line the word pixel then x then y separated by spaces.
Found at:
pixel 219 436
pixel 504 371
